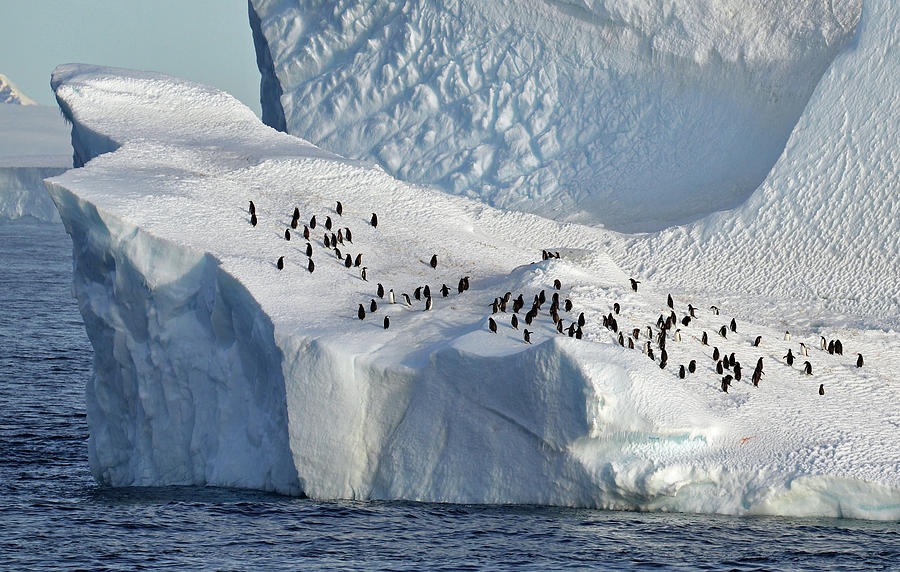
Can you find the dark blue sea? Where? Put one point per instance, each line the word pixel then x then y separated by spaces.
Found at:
pixel 53 515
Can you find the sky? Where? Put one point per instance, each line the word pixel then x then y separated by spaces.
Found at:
pixel 207 41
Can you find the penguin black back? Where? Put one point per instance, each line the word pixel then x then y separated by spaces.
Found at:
pixel 339 209
pixel 634 284
pixel 387 320
pixel 557 284
pixel 252 208
pixel 287 234
pixel 433 261
pixel 361 312
pixel 859 360
pixel 280 263
pixel 312 222
pixel 492 325
pixel 374 220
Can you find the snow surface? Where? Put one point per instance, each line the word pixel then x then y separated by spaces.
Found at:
pixel 9 93
pixel 633 115
pixel 214 367
pixel 34 144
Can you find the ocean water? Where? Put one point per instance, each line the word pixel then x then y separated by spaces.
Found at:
pixel 53 514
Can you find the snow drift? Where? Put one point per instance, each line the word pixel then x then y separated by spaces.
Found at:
pixel 634 115
pixel 214 366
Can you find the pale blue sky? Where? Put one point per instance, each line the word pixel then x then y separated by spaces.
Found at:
pixel 208 41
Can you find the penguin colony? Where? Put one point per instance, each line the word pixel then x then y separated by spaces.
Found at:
pixel 555 311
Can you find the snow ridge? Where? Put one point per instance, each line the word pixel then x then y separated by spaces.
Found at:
pixel 633 116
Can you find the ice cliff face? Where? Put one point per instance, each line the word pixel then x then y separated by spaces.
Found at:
pixel 632 115
pixel 34 144
pixel 214 366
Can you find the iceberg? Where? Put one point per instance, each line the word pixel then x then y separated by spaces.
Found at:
pixel 217 365
pixel 632 115
pixel 34 144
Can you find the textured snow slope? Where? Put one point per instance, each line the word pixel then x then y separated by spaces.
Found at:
pixel 635 115
pixel 214 367
pixel 823 230
pixel 34 144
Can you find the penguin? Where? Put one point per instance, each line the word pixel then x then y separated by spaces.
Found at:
pixel 428 303
pixel 339 209
pixel 723 331
pixel 646 348
pixel 557 284
pixel 502 304
pixel 733 325
pixel 527 335
pixel 252 208
pixel 716 353
pixel 821 389
pixel 789 357
pixel 571 332
pixel 380 291
pixel 636 333
pixel 340 237
pixel 807 368
pixel 692 366
pixel 634 284
pixel 495 306
pixel 677 336
pixel 542 297
pixel 358 260
pixel 559 328
pixel 757 341
pixel 787 336
pixel 373 306
pixel 362 274
pixel 616 307
pixel 704 339
pixel 387 322
pixel 686 321
pixel 578 331
pixel 444 290
pixel 433 262
pixel 514 322
pixel 312 222
pixel 544 255
pixel 407 300
pixel 692 311
pixel 719 367
pixel 859 360
pixel 831 347
pixel 287 234
pixel 426 291
pixel 305 232
pixel 737 371
pixel 361 312
pixel 630 344
pixel 348 236
pixel 327 223
pixel 460 288
pixel 391 296
pixel 492 325
pixel 253 219
pixel 296 213
pixel 757 376
pixel 294 223
pixel 669 302
pixel 838 347
pixel 715 310
pixel 280 263
pixel 337 253
pixel 731 359
pixel 311 266
pixel 308 249
pixel 530 316
pixel 650 352
pixel 581 320
pixel 681 373
pixel 348 261
pixel 326 242
pixel 649 333
pixel 726 381
pixel 803 349
pixel 374 220
pixel 664 355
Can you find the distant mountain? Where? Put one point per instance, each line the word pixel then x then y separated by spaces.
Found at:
pixel 9 93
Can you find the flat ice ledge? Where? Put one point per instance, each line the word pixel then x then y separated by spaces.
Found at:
pixel 214 367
